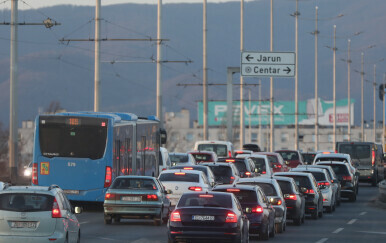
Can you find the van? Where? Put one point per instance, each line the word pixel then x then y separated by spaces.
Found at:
pixel 367 157
pixel 223 149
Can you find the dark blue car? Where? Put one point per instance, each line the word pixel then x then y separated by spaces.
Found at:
pixel 256 206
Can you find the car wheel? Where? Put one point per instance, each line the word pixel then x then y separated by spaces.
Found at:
pixel 117 219
pixel 264 235
pixel 280 227
pixel 170 240
pixel 320 214
pixel 303 218
pixel 353 197
pixel 108 221
pixel 66 240
pixel 78 241
pixel 298 221
pixel 329 209
pixel 158 220
pixel 314 214
pixel 374 181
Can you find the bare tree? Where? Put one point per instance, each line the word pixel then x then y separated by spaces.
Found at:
pixel 54 107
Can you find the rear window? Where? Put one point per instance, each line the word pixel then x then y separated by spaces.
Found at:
pixel 331 159
pixel 308 158
pixel 356 151
pixel 178 158
pixel 179 177
pixel 302 181
pixel 259 164
pixel 269 189
pixel 205 200
pixel 285 187
pixel 288 155
pixel 203 157
pixel 319 176
pixel 219 149
pixel 198 168
pixel 240 165
pixel 19 202
pixel 244 196
pixel 272 159
pixel 134 183
pixel 220 171
pixel 340 170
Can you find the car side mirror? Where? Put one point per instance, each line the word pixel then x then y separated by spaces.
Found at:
pixel 168 191
pixel 78 210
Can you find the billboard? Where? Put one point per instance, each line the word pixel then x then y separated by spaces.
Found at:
pixel 284 112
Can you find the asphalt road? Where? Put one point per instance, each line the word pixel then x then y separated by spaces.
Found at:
pixel 359 221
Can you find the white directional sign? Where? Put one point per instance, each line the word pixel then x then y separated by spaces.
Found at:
pixel 268 64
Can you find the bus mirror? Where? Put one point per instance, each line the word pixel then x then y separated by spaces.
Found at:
pixel 163 136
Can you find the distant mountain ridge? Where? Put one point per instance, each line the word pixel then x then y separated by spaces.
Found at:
pixel 50 70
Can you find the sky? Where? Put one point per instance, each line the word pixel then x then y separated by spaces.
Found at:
pixel 27 4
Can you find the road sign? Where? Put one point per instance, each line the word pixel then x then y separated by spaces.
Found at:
pixel 268 64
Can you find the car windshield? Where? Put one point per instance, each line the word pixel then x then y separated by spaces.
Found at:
pixel 356 151
pixel 285 187
pixel 289 155
pixel 302 181
pixel 205 200
pixel 219 149
pixel 178 158
pixel 202 157
pixel 134 183
pixel 26 202
pixel 179 176
pixel 244 196
pixel 259 164
pixel 269 189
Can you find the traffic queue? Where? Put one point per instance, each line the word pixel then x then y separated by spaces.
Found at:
pixel 214 192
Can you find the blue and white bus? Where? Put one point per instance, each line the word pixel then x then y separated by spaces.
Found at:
pixel 82 152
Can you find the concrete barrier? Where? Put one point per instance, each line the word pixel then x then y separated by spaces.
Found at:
pixel 382 191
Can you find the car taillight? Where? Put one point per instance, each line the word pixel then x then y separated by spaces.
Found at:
pixel 110 196
pixel 310 191
pixel 35 173
pixel 248 173
pixel 324 184
pixel 195 188
pixel 108 176
pixel 229 154
pixel 55 213
pixel 175 217
pixel 278 166
pixel 264 172
pixel 232 179
pixel 258 209
pixel 279 202
pixel 347 178
pixel 231 218
pixel 290 196
pixel 152 197
pixel 373 158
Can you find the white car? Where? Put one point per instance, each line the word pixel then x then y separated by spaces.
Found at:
pixel 37 214
pixel 323 179
pixel 184 159
pixel 335 157
pixel 180 181
pixel 261 163
pixel 223 149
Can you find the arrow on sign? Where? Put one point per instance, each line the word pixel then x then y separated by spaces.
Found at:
pixel 288 70
pixel 249 58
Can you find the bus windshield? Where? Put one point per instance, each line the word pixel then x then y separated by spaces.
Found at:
pixel 80 137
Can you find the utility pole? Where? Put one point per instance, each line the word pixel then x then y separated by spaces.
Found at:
pixel 383 112
pixel 159 66
pixel 259 112
pixel 375 104
pixel 97 59
pixel 316 82
pixel 334 88
pixel 13 79
pixel 349 90
pixel 250 115
pixel 242 123
pixel 272 125
pixel 205 76
pixel 362 86
pixel 296 14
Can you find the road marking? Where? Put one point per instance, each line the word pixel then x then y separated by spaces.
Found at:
pixel 86 222
pixel 352 221
pixel 363 213
pixel 338 230
pixel 322 240
pixel 372 232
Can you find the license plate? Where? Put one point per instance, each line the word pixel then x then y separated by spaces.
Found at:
pixel 132 199
pixel 203 217
pixel 75 192
pixel 23 224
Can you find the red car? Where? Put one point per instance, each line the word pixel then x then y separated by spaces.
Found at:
pixel 292 158
pixel 204 156
pixel 276 161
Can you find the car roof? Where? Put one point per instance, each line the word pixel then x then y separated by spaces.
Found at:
pixel 30 189
pixel 253 155
pixel 208 192
pixel 237 186
pixel 292 173
pixel 308 169
pixel 201 152
pixel 258 179
pixel 287 150
pixel 282 178
pixel 331 163
pixel 335 155
pixel 213 142
pixel 268 153
pixel 180 170
pixel 177 153
pixel 135 176
pixel 216 163
pixel 188 166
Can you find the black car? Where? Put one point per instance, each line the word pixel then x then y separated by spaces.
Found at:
pixel 224 173
pixel 308 185
pixel 347 179
pixel 294 199
pixel 255 204
pixel 308 157
pixel 209 216
pixel 252 146
pixel 245 166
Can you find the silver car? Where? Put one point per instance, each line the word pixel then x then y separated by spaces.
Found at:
pixel 37 214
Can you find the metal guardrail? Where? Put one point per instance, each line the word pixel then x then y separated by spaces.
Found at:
pixel 382 191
